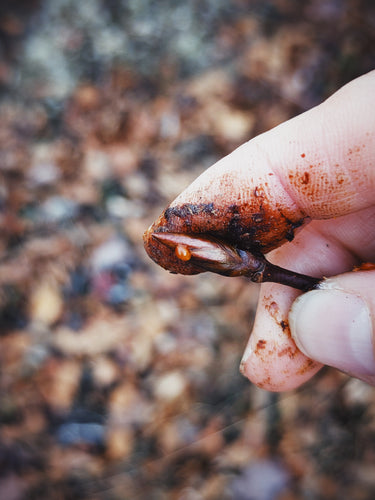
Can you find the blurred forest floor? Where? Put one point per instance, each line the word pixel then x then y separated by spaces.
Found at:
pixel 117 379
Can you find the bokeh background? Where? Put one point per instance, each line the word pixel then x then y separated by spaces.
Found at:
pixel 118 380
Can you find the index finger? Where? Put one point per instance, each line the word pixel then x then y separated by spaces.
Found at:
pixel 318 165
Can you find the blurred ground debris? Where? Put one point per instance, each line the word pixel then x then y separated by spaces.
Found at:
pixel 118 380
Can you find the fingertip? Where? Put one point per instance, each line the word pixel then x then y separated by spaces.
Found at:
pixel 277 367
pixel 272 360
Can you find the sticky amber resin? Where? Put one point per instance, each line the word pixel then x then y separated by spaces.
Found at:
pixel 182 252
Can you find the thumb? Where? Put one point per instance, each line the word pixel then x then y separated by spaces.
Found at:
pixel 335 324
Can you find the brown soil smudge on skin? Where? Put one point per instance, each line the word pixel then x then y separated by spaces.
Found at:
pixel 289 351
pixel 273 309
pixel 265 383
pixel 261 344
pixel 262 353
pixel 284 323
pixel 308 365
pixel 305 178
pixel 254 226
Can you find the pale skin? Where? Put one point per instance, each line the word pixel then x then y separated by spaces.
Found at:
pixel 317 167
pixel 337 138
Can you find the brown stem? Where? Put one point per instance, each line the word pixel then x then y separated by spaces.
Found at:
pixel 217 256
pixel 283 276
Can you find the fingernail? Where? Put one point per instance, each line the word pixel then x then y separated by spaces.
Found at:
pixel 334 327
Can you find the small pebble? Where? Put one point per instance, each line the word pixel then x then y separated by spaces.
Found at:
pixel 77 433
pixel 46 305
pixel 58 209
pixel 170 386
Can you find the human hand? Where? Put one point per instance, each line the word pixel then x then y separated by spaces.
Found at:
pixel 319 166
